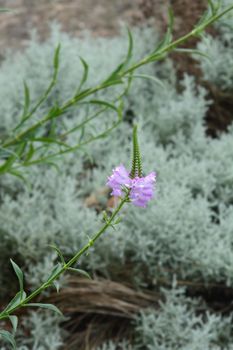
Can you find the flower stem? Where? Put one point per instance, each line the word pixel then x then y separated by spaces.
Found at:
pixel 69 264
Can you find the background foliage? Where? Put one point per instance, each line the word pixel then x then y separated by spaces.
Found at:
pixel 184 237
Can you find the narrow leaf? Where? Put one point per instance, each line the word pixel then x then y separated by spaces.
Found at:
pixel 168 36
pixel 171 20
pixel 57 286
pixel 55 270
pixel 30 153
pixel 214 7
pixel 8 337
pixel 15 155
pixel 103 103
pixel 18 298
pixel 85 74
pixel 81 272
pixel 7 164
pixel 117 221
pixel 26 99
pixel 56 58
pixel 52 164
pixel 19 274
pixel 130 47
pixel 203 19
pixel 14 322
pixel 149 77
pixel 114 76
pixel 59 253
pixel 193 51
pixel 49 140
pixel 45 306
pixel 105 216
pixel 50 87
pixel 18 174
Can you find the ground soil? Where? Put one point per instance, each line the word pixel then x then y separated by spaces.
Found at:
pixel 101 17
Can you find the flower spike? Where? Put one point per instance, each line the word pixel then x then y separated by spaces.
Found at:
pixel 136 170
pixel 140 189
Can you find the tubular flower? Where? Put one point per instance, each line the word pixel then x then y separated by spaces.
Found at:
pixel 119 179
pixel 141 188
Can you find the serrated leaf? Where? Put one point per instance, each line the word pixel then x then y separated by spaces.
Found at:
pixel 8 337
pixel 45 306
pixel 19 274
pixel 81 272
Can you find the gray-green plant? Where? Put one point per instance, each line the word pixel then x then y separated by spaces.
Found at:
pixel 217 69
pixel 177 326
pixel 34 148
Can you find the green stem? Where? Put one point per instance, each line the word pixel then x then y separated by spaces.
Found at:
pixel 41 122
pixel 71 262
pixel 146 60
pixel 179 41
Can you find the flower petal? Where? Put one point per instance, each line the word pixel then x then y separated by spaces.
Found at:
pixel 118 179
pixel 142 190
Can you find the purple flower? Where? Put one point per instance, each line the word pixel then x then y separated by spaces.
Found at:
pixel 141 188
pixel 118 179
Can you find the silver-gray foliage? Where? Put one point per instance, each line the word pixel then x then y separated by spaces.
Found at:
pixel 186 231
pixel 218 69
pixel 176 326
